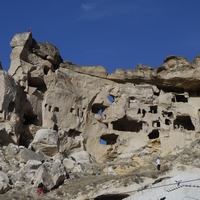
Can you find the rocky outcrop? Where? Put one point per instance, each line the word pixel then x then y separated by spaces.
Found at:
pixel 59 120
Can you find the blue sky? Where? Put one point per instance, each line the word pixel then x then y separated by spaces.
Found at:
pixel 111 33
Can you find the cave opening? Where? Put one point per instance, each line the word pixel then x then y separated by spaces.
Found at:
pixel 167 89
pixel 124 124
pixel 46 70
pixel 139 111
pixel 37 83
pixel 73 133
pixel 56 109
pixel 11 107
pixel 143 112
pixel 153 134
pixel 167 122
pixel 108 139
pixel 98 108
pixel 156 123
pixel 179 98
pixel 153 109
pixel 55 127
pixel 185 122
pixel 112 197
pixel 167 114
pixel 30 119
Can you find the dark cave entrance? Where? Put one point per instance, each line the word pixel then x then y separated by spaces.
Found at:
pixel 73 133
pixel 98 108
pixel 11 107
pixel 153 109
pixel 30 119
pixel 109 138
pixel 112 197
pixel 154 134
pixel 179 98
pixel 185 122
pixel 124 124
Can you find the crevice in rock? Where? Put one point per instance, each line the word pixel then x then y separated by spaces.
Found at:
pixel 109 138
pixel 154 134
pixel 156 93
pixel 179 98
pixel 98 108
pixel 167 122
pixel 37 83
pixel 56 109
pixel 167 89
pixel 25 139
pixel 30 119
pixel 112 197
pixel 55 127
pixel 143 112
pixel 46 70
pixel 73 133
pixel 183 122
pixel 72 110
pixel 11 107
pixel 124 124
pixel 194 93
pixel 167 114
pixel 156 123
pixel 153 109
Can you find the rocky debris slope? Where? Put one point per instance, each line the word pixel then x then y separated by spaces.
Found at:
pixel 70 126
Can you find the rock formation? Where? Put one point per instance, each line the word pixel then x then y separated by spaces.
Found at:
pixel 60 121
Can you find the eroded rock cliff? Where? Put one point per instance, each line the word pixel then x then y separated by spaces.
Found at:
pixel 65 119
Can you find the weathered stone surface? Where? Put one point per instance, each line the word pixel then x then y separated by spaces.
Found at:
pixel 26 154
pixel 85 121
pixel 98 71
pixel 82 157
pixel 4 183
pixel 23 39
pixel 48 52
pixel 69 164
pixel 51 175
pixel 46 141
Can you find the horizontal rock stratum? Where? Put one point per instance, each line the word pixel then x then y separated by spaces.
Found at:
pixel 60 122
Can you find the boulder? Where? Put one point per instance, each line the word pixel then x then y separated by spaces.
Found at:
pixel 22 39
pixel 81 157
pixel 69 164
pixel 26 154
pixel 51 175
pixel 46 141
pixel 4 183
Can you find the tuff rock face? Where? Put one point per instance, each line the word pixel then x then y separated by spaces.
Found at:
pixel 60 121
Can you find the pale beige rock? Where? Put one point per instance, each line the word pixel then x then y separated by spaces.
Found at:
pixel 4 183
pixel 62 110
pixel 69 164
pixel 82 157
pixel 46 141
pixel 26 154
pixel 50 175
pixel 21 39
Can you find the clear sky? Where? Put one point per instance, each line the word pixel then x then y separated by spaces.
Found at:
pixel 111 33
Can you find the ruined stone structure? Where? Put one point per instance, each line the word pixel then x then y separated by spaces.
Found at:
pixel 58 109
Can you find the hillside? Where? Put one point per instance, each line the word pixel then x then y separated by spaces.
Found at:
pixel 87 134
